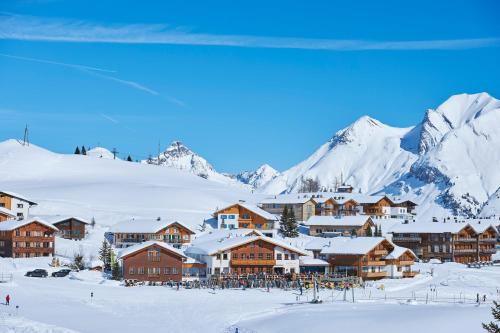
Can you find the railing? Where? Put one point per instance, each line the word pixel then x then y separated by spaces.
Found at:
pixel 492 251
pixel 374 263
pixel 407 239
pixel 406 263
pixel 410 273
pixel 253 262
pixel 465 250
pixel 488 240
pixel 467 240
pixel 373 274
pixel 381 252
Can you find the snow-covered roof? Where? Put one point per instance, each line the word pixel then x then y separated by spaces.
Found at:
pixel 14 224
pixel 7 212
pixel 132 249
pixel 143 226
pixel 287 199
pixel 212 247
pixel 54 219
pixel 311 261
pixel 18 196
pixel 429 227
pixel 317 244
pixel 352 221
pixel 253 208
pixel 398 252
pixel 348 245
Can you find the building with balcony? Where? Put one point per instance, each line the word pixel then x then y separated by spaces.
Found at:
pixel 27 238
pixel 325 226
pixel 70 227
pixel 303 205
pixel 246 216
pixel 136 231
pixel 250 254
pixel 460 242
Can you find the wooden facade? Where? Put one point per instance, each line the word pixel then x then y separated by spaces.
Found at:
pixel 254 257
pixel 464 246
pixel 378 208
pixel 333 208
pixel 173 233
pixel 33 239
pixel 344 230
pixel 153 263
pixel 246 218
pixel 302 210
pixel 71 228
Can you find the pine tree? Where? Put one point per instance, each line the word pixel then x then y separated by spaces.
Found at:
pixel 105 255
pixel 84 151
pixel 77 151
pixel 129 159
pixel 115 268
pixel 354 233
pixel 493 327
pixel 293 227
pixel 369 232
pixel 92 222
pixel 283 222
pixel 78 262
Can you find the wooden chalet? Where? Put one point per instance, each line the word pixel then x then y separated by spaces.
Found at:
pixel 328 226
pixel 6 214
pixel 152 261
pixel 246 216
pixel 70 227
pixel 448 241
pixel 27 238
pixel 135 231
pixel 16 204
pixel 303 205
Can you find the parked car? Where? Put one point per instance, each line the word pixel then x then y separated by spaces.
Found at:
pixel 37 273
pixel 61 273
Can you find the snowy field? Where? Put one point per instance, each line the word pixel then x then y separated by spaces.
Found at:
pixel 445 300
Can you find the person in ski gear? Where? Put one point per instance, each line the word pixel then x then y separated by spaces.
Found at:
pixel 7 299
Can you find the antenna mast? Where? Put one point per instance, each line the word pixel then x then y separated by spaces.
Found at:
pixel 115 152
pixel 26 140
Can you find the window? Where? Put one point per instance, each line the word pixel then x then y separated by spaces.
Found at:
pixel 269 256
pixel 231 217
pixel 18 233
pixel 217 256
pixel 258 226
pixel 261 256
pixel 166 270
pixel 185 237
pixel 140 270
pixel 20 214
pixel 153 270
pixel 153 255
pixel 175 270
pixel 292 256
pixel 234 255
pixel 2 243
pixel 19 205
pixel 279 256
pixel 245 216
pixel 223 217
pixel 131 271
pixel 286 256
pixel 252 256
pixel 28 233
pixel 224 256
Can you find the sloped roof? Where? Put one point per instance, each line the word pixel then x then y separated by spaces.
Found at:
pixel 355 246
pixel 144 226
pixel 132 249
pixel 14 224
pixel 288 199
pixel 398 252
pixel 7 212
pixel 18 196
pixel 212 247
pixel 54 219
pixel 311 261
pixel 429 227
pixel 354 221
pixel 253 208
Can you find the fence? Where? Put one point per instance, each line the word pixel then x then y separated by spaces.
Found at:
pixel 5 277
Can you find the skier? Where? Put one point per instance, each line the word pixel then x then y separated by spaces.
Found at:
pixel 484 298
pixel 7 299
pixel 477 298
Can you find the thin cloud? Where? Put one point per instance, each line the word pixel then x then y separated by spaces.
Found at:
pixel 43 61
pixel 111 119
pixel 19 27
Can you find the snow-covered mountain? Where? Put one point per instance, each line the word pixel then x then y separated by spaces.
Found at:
pixel 100 152
pixel 448 163
pixel 257 178
pixel 180 157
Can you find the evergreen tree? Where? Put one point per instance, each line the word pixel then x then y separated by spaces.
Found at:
pixel 77 151
pixel 129 158
pixel 283 222
pixel 493 327
pixel 115 268
pixel 105 255
pixel 92 222
pixel 293 226
pixel 84 151
pixel 369 232
pixel 78 262
pixel 353 233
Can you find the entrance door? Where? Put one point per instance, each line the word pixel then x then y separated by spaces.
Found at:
pixel 279 270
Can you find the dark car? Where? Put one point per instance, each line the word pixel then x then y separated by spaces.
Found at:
pixel 37 273
pixel 61 273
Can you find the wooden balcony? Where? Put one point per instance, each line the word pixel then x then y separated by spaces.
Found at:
pixel 253 262
pixel 374 263
pixel 410 274
pixel 488 251
pixel 380 252
pixel 465 251
pixel 373 275
pixel 488 240
pixel 407 239
pixel 406 263
pixel 466 240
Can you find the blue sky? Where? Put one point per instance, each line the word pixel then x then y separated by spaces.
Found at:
pixel 240 83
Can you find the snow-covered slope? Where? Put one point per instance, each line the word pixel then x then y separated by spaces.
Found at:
pixel 257 178
pixel 109 190
pixel 100 152
pixel 448 163
pixel 180 157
